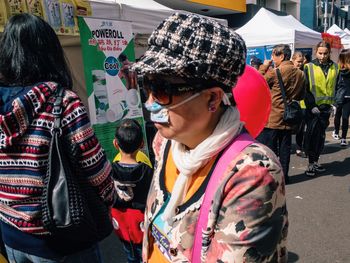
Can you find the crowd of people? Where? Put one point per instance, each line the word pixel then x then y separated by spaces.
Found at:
pixel 213 192
pixel 320 86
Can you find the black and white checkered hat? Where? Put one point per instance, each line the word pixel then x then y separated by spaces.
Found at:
pixel 192 46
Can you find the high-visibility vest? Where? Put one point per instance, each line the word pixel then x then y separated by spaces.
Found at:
pixel 321 87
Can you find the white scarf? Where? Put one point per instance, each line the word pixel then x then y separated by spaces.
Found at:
pixel 188 162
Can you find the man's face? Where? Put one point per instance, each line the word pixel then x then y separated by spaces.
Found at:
pixel 277 59
pixel 322 54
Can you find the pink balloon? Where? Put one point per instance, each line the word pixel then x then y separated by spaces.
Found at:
pixel 253 98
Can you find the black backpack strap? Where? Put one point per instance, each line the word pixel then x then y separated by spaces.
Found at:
pixel 280 82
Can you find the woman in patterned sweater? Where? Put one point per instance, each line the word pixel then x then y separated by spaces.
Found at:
pixel 32 68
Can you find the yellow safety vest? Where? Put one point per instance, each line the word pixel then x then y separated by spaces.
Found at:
pixel 321 87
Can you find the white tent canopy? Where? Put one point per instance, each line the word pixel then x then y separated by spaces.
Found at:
pixel 267 28
pixel 344 35
pixel 144 15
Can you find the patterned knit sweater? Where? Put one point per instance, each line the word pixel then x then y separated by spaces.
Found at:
pixel 24 144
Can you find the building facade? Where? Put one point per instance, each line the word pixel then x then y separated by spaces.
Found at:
pixel 237 12
pixel 321 14
pixel 311 13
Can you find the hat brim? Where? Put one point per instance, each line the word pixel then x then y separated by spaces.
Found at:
pixel 159 60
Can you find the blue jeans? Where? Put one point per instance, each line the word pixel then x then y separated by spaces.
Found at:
pixel 133 251
pixel 90 255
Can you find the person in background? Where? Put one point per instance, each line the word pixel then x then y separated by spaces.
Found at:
pixel 337 119
pixel 189 70
pixel 307 58
pixel 321 77
pixel 132 180
pixel 338 109
pixel 298 59
pixel 255 62
pixel 277 134
pixel 33 70
pixel 342 96
pixel 124 72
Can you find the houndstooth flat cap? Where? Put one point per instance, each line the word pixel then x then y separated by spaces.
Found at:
pixel 192 46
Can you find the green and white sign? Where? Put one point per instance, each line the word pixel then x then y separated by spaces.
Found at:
pixel 108 50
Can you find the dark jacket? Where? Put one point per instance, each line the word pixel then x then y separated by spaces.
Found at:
pixel 294 84
pixel 132 185
pixel 343 87
pixel 313 141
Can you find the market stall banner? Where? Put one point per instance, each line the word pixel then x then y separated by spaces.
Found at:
pixel 60 14
pixel 261 53
pixel 108 50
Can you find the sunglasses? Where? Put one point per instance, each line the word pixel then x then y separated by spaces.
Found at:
pixel 162 91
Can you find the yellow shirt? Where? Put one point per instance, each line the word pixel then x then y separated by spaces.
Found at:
pixel 140 157
pixel 171 173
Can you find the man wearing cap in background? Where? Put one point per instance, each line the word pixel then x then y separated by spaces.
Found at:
pixel 189 69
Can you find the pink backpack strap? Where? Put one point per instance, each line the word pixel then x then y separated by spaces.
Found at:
pixel 237 146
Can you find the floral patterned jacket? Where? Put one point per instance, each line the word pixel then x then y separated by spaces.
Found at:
pixel 248 219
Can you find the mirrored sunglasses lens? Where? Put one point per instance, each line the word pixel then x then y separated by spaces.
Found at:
pixel 157 91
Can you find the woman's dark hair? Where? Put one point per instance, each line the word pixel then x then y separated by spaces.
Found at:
pixel 129 135
pixel 344 59
pixel 323 44
pixel 30 52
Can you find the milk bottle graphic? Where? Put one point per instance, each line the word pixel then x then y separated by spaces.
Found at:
pixel 101 97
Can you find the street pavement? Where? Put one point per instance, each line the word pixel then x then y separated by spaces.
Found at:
pixel 319 208
pixel 319 211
